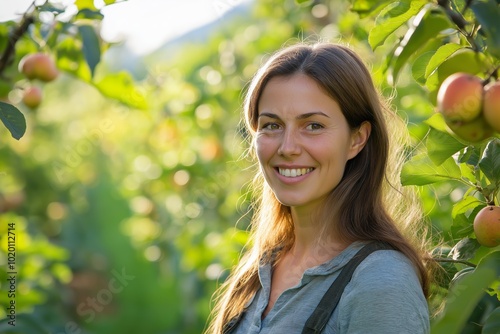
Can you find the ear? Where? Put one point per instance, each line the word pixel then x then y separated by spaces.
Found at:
pixel 359 138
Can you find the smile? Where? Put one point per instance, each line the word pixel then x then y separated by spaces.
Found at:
pixel 294 172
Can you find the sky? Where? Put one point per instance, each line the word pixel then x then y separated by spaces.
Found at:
pixel 144 25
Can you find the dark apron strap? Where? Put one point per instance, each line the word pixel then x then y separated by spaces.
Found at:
pixel 319 318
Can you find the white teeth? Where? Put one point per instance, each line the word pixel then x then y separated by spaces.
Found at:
pixel 294 172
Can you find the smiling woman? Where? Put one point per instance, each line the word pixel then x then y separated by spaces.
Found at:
pixel 298 137
pixel 320 135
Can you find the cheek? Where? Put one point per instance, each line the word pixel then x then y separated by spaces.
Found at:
pixel 260 148
pixel 264 148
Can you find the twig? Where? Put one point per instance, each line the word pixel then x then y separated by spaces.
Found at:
pixel 9 51
pixel 492 74
pixel 441 259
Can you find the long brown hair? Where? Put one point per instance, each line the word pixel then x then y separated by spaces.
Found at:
pixel 369 199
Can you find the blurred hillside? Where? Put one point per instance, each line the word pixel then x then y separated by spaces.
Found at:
pixel 121 57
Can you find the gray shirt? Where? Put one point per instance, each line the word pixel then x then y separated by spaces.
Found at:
pixel 384 296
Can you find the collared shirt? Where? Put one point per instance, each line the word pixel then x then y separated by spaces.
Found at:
pixel 384 296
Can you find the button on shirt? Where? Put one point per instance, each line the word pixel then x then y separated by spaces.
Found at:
pixel 384 296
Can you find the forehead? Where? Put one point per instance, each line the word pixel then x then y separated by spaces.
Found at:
pixel 295 94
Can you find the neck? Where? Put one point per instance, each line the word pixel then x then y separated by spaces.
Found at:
pixel 311 244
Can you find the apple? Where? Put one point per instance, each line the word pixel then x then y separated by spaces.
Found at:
pixel 38 66
pixel 491 106
pixel 32 97
pixel 473 131
pixel 487 226
pixel 460 97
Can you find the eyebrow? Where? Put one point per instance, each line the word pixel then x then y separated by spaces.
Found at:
pixel 300 117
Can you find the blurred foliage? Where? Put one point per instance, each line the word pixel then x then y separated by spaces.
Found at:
pixel 130 198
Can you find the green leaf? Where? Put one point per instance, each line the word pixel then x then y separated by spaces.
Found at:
pixel 437 122
pixel 89 14
pixel 367 7
pixel 490 161
pixel 91 46
pixel 470 156
pixel 425 27
pixel 109 2
pixel 5 87
pixel 82 4
pixel 464 205
pixel 391 18
pixel 487 14
pixel 492 324
pixel 468 172
pixel 120 86
pixel 70 58
pixel 419 66
pixel 441 55
pixel 465 249
pixel 461 227
pixel 465 295
pixel 420 170
pixel 51 8
pixel 303 3
pixel 441 146
pixel 13 120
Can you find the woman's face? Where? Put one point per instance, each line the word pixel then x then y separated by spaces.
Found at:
pixel 303 140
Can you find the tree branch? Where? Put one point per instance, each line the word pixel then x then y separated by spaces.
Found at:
pixel 444 259
pixel 9 51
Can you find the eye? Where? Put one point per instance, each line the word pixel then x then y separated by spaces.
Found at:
pixel 314 126
pixel 271 126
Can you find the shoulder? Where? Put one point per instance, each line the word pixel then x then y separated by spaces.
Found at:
pixel 384 296
pixel 390 265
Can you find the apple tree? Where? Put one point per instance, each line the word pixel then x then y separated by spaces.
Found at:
pixel 50 39
pixel 452 50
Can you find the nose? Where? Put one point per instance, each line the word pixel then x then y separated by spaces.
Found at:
pixel 289 145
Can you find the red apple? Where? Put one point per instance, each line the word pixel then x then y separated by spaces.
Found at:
pixel 487 226
pixel 38 66
pixel 32 97
pixel 491 107
pixel 460 97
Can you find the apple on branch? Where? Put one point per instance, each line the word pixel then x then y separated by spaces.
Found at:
pixel 460 97
pixel 491 108
pixel 487 226
pixel 32 97
pixel 38 66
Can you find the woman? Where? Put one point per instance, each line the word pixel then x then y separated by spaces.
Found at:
pixel 319 132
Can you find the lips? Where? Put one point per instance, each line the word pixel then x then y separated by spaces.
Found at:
pixel 294 172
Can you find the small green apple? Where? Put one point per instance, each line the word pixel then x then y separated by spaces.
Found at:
pixel 474 131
